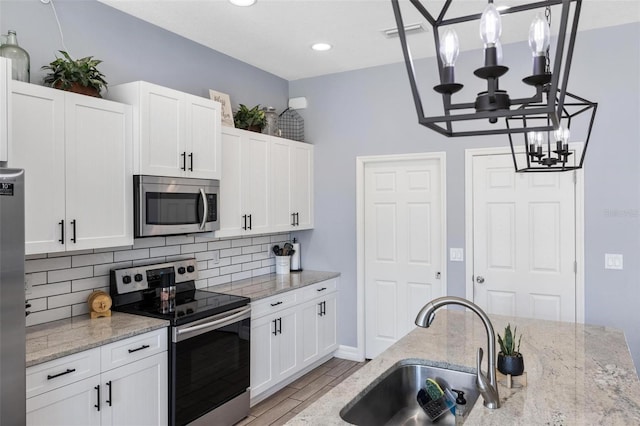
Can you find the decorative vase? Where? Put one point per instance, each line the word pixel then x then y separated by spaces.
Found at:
pixel 513 365
pixel 19 57
pixel 271 118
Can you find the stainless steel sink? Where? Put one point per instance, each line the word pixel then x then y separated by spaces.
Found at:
pixel 391 399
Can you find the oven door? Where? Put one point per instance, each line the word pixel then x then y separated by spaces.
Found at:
pixel 210 365
pixel 167 206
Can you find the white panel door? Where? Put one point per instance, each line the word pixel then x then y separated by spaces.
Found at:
pixel 255 181
pixel 403 244
pixel 309 329
pixel 162 131
pixel 286 358
pixel 203 134
pixel 5 107
pixel 302 184
pixel 71 405
pixel 231 222
pixel 98 154
pixel 262 354
pixel 523 240
pixel 281 181
pixel 136 394
pixel 37 146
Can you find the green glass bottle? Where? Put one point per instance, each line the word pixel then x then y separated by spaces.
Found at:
pixel 19 57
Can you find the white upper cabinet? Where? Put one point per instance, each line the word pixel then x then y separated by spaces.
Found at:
pixel 5 106
pixel 76 151
pixel 176 134
pixel 244 186
pixel 291 171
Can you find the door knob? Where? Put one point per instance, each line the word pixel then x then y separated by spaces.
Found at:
pixel 480 279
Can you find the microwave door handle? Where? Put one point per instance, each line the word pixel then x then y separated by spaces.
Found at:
pixel 206 208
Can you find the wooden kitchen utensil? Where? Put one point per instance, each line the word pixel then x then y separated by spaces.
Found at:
pixel 99 304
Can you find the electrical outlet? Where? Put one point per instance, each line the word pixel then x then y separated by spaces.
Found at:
pixel 216 257
pixel 28 285
pixel 612 261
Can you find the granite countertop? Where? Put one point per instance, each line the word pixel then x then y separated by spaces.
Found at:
pixel 576 374
pixel 56 339
pixel 267 285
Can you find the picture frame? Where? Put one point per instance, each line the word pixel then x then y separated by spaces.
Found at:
pixel 225 101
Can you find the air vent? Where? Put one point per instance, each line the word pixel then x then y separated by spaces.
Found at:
pixel 408 29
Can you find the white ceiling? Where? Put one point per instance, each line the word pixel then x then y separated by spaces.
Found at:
pixel 276 35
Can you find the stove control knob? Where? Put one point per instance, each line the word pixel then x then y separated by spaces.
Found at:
pixel 181 270
pixel 138 278
pixel 190 268
pixel 189 310
pixel 126 279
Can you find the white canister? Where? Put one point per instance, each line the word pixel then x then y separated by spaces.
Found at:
pixel 283 264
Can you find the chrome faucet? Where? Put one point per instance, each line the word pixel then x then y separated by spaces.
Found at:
pixel 488 387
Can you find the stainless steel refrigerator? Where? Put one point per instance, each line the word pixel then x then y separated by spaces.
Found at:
pixel 12 298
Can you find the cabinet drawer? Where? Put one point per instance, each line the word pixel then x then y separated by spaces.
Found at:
pixel 134 348
pixel 62 371
pixel 273 304
pixel 318 289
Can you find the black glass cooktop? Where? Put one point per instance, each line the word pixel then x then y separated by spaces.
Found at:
pixel 190 305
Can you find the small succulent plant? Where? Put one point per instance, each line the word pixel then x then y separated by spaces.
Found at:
pixel 508 345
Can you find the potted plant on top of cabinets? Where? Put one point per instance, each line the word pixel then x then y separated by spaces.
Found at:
pixel 252 119
pixel 510 360
pixel 75 75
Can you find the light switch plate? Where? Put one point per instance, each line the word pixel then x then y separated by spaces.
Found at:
pixel 216 257
pixel 456 254
pixel 612 261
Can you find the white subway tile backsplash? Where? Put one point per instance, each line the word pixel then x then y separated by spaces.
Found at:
pixel 149 242
pixel 164 251
pixel 69 274
pixel 180 239
pixel 39 265
pixel 107 267
pixel 192 248
pixel 131 254
pixel 90 283
pixel 45 290
pixel 217 245
pixel 91 259
pixel 49 315
pixel 230 252
pixel 62 282
pixel 68 299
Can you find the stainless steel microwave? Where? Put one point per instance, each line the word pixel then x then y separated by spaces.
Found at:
pixel 169 206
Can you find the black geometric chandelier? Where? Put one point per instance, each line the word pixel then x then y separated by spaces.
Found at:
pixel 493 111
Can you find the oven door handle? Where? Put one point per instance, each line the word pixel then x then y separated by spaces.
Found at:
pixel 213 325
pixel 206 208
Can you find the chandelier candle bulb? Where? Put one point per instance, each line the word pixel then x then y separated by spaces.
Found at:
pixel 539 41
pixel 449 50
pixel 490 26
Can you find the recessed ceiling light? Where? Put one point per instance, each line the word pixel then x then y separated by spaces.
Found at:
pixel 321 47
pixel 242 3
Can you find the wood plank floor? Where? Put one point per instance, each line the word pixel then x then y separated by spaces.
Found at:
pixel 282 406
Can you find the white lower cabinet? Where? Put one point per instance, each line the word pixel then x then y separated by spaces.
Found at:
pixel 134 393
pixel 291 331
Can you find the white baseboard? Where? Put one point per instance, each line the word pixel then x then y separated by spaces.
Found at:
pixel 349 352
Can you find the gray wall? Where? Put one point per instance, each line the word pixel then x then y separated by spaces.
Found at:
pixel 135 50
pixel 370 112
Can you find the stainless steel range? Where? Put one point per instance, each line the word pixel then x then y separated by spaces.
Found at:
pixel 209 355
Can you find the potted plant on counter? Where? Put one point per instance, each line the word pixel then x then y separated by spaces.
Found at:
pixel 250 119
pixel 75 75
pixel 510 360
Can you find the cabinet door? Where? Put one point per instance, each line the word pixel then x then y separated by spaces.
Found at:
pixel 262 353
pixel 204 137
pixel 162 131
pixel 282 218
pixel 37 145
pixel 231 220
pixel 98 153
pixel 310 324
pixel 255 181
pixel 71 405
pixel 327 334
pixel 136 394
pixel 5 107
pixel 302 184
pixel 285 357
